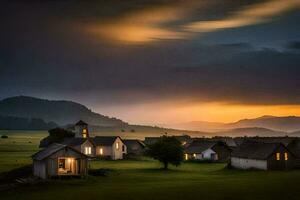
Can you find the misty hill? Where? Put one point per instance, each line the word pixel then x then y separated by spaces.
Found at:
pixel 251 132
pixel 60 112
pixel 289 123
pixel 284 124
pixel 19 123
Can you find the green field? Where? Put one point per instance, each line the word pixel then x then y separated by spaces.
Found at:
pixel 145 180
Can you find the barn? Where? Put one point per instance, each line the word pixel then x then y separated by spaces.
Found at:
pixel 59 160
pixel 263 156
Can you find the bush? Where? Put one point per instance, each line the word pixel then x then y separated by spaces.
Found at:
pixel 4 136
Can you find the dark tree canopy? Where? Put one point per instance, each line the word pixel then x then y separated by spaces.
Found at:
pixel 167 150
pixel 56 135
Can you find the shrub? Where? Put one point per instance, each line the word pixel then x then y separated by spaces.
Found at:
pixel 4 136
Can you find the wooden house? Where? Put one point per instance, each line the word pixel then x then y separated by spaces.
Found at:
pixel 109 147
pixel 59 160
pixel 207 150
pixel 264 156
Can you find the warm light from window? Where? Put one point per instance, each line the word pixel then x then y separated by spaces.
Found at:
pixel 88 150
pixel 101 151
pixel 84 135
pixel 117 145
pixel 186 156
pixel 286 156
pixel 194 155
pixel 277 156
pixel 84 131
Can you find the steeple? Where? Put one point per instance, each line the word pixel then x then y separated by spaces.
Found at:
pixel 81 129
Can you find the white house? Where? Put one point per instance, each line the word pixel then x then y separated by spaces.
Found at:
pixel 263 156
pixel 109 146
pixel 84 145
pixel 207 150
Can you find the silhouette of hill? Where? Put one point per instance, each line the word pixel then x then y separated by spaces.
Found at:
pixel 60 112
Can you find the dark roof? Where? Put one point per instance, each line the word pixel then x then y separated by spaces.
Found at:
pixel 255 150
pixel 283 140
pixel 51 149
pixel 74 141
pixel 151 140
pixel 104 140
pixel 81 123
pixel 199 146
pixel 129 143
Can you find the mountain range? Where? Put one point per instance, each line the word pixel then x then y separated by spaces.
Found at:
pixel 30 113
pixel 283 124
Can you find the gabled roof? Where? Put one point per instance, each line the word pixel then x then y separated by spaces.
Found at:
pixel 255 150
pixel 51 149
pixel 283 140
pixel 74 141
pixel 81 123
pixel 104 140
pixel 199 146
pixel 129 143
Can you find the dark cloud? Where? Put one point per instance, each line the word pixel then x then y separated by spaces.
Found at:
pixel 44 52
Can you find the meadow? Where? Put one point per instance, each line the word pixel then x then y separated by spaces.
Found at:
pixel 129 179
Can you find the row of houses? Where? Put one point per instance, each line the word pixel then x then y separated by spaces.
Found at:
pixel 70 156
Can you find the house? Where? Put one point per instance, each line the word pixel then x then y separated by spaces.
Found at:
pixel 135 147
pixel 81 130
pixel 207 150
pixel 294 147
pixel 110 147
pixel 84 145
pixel 264 156
pixel 59 160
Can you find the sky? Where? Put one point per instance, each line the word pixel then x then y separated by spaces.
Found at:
pixel 155 61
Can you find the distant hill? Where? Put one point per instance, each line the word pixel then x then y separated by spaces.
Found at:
pixel 250 132
pixel 60 112
pixel 19 123
pixel 284 124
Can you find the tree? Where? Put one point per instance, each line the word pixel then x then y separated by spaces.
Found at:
pixel 167 150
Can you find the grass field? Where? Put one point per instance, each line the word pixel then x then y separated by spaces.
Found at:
pixel 145 180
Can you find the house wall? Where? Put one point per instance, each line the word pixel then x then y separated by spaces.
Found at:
pixel 39 169
pixel 281 164
pixel 117 154
pixel 87 143
pixel 223 152
pixel 107 151
pixel 207 154
pixel 244 163
pixel 135 149
pixel 52 162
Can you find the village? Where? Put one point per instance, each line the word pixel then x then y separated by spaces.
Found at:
pixel 71 157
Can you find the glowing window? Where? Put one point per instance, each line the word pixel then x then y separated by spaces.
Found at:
pixel 84 135
pixel 194 155
pixel 186 156
pixel 286 156
pixel 277 156
pixel 117 145
pixel 101 151
pixel 88 150
pixel 84 131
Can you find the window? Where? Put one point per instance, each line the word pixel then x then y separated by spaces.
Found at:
pixel 286 156
pixel 88 150
pixel 84 131
pixel 117 145
pixel 194 155
pixel 101 151
pixel 277 156
pixel 123 148
pixel 84 135
pixel 186 156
